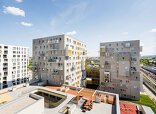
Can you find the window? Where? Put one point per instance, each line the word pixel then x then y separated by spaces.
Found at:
pixel 102 50
pixel 127 44
pixel 109 44
pixel 134 53
pixel 102 44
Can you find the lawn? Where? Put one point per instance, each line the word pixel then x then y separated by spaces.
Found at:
pixel 145 100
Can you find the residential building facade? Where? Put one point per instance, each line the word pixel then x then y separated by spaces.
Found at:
pixel 59 60
pixel 120 68
pixel 13 65
pixel 93 74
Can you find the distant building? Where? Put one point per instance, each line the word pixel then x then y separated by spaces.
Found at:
pixel 13 65
pixel 120 68
pixel 59 60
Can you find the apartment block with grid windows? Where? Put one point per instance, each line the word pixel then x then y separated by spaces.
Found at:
pixel 120 68
pixel 59 60
pixel 13 65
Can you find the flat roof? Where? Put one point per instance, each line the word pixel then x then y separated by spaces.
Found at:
pixel 60 35
pixel 120 41
pixel 14 46
pixel 86 93
pixel 98 108
pixel 14 107
pixel 126 108
pixel 69 91
pixel 5 98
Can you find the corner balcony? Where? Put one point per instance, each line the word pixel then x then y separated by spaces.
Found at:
pixel 54 60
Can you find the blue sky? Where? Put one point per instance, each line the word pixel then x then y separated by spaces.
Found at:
pixel 90 21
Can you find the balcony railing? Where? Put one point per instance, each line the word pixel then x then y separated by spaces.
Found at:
pixel 42 54
pixel 35 70
pixel 133 59
pixel 53 41
pixel 55 73
pixel 59 68
pixel 54 60
pixel 5 70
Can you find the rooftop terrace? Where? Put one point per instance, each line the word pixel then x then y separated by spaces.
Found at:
pixel 17 105
pixel 79 99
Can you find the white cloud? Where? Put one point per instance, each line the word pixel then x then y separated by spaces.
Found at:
pixel 71 33
pixel 125 33
pixel 19 1
pixel 75 11
pixel 26 24
pixel 13 11
pixel 153 30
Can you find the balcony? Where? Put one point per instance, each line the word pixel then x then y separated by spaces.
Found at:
pixel 54 60
pixel 68 51
pixel 133 59
pixel 5 60
pixel 35 70
pixel 5 52
pixel 4 78
pixel 5 74
pixel 83 63
pixel 59 67
pixel 133 70
pixel 53 41
pixel 42 54
pixel 102 49
pixel 54 48
pixel 35 65
pixel 5 65
pixel 106 73
pixel 5 69
pixel 127 45
pixel 5 47
pixel 107 65
pixel 55 73
pixel 5 56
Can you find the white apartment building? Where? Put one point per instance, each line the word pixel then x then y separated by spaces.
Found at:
pixel 59 60
pixel 13 65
